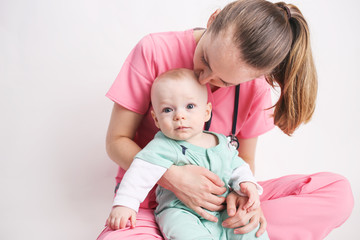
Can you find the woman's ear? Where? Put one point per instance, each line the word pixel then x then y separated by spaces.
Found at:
pixel 212 17
pixel 155 119
pixel 208 111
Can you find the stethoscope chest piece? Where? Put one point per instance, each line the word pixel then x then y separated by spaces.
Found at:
pixel 233 141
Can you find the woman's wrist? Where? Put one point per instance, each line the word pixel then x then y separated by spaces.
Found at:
pixel 167 179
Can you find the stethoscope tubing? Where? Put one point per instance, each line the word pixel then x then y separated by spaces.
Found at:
pixel 232 137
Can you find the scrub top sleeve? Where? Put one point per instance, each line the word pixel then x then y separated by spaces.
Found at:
pixel 260 117
pixel 131 88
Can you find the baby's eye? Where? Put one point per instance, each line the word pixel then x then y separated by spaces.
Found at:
pixel 190 106
pixel 167 110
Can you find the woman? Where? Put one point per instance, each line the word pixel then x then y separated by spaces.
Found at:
pixel 254 44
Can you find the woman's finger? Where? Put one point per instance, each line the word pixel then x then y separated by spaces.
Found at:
pixel 240 218
pixel 214 200
pixel 231 204
pixel 216 190
pixel 213 178
pixel 213 207
pixel 212 183
pixel 205 214
pixel 251 225
pixel 263 224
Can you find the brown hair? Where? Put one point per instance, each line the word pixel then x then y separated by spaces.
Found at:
pixel 274 37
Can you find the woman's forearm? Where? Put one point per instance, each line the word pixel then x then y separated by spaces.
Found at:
pixel 119 139
pixel 122 151
pixel 247 148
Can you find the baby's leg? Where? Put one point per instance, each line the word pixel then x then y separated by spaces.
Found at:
pixel 177 223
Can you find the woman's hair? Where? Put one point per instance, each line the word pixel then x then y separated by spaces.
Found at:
pixel 274 37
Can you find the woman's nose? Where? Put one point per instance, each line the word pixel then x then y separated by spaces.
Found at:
pixel 204 78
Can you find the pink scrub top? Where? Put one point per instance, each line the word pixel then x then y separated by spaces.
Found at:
pixel 159 52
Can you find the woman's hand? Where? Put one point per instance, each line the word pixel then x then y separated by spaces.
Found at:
pixel 196 187
pixel 241 219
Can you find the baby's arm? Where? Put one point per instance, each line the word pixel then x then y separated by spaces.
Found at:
pixel 243 183
pixel 137 182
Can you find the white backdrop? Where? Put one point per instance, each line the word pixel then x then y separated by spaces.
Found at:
pixel 57 60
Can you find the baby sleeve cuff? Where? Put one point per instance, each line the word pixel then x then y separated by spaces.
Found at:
pixel 127 201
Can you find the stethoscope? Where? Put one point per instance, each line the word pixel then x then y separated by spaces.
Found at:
pixel 233 141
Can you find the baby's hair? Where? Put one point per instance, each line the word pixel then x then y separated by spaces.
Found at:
pixel 177 75
pixel 274 37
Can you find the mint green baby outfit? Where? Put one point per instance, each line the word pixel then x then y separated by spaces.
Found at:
pixel 175 219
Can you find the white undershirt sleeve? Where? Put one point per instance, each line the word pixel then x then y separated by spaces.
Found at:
pixel 137 182
pixel 243 174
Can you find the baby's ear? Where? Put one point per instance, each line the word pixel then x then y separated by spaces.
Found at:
pixel 208 111
pixel 155 119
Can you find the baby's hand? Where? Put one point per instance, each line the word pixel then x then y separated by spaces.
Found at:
pixel 119 217
pixel 250 190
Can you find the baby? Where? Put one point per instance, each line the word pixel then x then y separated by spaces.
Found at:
pixel 180 109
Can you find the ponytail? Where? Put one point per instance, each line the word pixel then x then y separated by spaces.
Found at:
pixel 296 76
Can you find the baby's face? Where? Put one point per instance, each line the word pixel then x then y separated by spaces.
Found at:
pixel 180 108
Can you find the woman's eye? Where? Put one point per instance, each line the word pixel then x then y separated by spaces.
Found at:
pixel 167 110
pixel 190 106
pixel 225 83
pixel 203 60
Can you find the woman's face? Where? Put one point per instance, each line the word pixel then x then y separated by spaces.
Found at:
pixel 218 62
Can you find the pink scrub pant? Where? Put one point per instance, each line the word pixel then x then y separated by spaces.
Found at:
pixel 296 207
